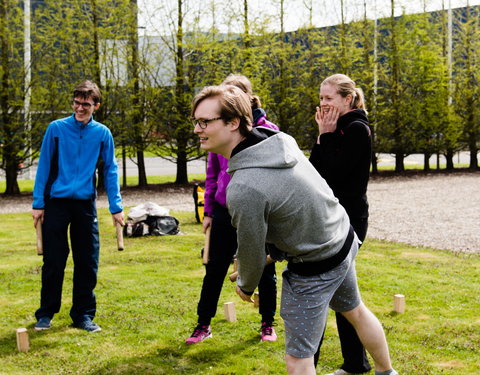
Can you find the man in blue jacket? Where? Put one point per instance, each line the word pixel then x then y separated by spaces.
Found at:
pixel 64 197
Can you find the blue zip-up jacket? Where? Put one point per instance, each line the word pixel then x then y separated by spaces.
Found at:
pixel 68 160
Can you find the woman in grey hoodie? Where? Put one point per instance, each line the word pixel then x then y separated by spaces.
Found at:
pixel 277 197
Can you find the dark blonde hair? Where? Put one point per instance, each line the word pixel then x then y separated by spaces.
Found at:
pixel 245 85
pixel 234 103
pixel 88 89
pixel 346 86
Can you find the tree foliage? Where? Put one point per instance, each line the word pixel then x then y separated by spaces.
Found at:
pixel 418 101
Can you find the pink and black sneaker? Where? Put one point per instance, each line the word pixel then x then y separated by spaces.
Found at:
pixel 200 333
pixel 268 332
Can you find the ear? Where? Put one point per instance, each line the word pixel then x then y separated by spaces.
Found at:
pixel 96 106
pixel 234 123
pixel 349 99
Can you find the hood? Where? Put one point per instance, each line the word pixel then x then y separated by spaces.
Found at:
pixel 257 114
pixel 279 150
pixel 357 115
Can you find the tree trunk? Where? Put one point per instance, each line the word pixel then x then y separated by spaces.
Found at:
pixel 182 174
pixel 449 158
pixel 9 150
pixel 473 154
pixel 395 98
pixel 426 161
pixel 138 118
pixel 471 126
pixel 472 135
pixel 11 174
pixel 246 41
pixel 181 104
pixel 100 114
pixel 399 165
pixel 142 175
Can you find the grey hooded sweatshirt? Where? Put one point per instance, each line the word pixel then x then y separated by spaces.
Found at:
pixel 277 197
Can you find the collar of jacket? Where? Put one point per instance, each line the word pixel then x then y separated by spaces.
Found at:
pixel 256 135
pixel 81 124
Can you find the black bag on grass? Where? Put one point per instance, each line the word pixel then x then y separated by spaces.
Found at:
pixel 152 226
pixel 162 225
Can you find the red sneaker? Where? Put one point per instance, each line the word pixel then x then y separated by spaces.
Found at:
pixel 268 333
pixel 200 333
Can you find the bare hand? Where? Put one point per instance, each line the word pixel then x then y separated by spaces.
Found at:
pixel 118 218
pixel 37 215
pixel 326 120
pixel 243 296
pixel 207 222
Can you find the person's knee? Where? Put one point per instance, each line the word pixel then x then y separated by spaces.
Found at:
pixel 297 365
pixel 355 315
pixel 290 362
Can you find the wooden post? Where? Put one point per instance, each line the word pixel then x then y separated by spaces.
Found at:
pixel 235 265
pixel 39 238
pixel 256 299
pixel 119 229
pixel 206 247
pixel 233 276
pixel 230 314
pixel 399 303
pixel 22 340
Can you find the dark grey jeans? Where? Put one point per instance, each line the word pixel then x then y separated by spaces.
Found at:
pixel 79 217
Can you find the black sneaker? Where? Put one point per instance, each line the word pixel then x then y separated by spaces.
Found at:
pixel 88 326
pixel 43 324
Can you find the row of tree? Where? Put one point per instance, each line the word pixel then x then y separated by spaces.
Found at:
pixel 419 73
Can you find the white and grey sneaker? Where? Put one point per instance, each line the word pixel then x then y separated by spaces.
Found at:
pixel 340 372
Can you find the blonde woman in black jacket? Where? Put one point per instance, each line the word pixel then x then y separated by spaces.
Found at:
pixel 342 156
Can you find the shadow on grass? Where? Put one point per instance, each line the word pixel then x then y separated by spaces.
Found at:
pixel 175 357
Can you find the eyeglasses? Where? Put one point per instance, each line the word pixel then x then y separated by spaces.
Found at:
pixel 203 123
pixel 85 105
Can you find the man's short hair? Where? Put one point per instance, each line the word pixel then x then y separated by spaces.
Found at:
pixel 88 89
pixel 234 103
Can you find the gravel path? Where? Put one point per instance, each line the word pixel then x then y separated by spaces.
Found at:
pixel 435 210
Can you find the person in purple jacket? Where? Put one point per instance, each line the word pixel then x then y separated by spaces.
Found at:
pixel 223 237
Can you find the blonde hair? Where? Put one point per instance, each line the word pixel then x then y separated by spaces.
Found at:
pixel 234 103
pixel 245 85
pixel 346 86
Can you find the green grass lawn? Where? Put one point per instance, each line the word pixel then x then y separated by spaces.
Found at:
pixel 147 297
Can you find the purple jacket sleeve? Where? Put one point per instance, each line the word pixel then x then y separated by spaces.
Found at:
pixel 213 169
pixel 262 121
